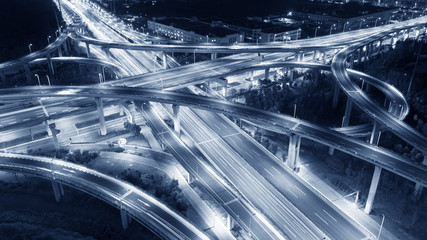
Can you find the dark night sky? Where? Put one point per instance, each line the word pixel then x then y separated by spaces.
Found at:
pixel 217 8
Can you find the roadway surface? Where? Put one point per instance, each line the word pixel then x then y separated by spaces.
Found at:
pixel 276 122
pixel 145 209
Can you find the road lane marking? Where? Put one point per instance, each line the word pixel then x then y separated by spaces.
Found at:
pixel 69 170
pixel 268 172
pixel 296 125
pixel 27 119
pixel 146 204
pixel 231 201
pixel 321 218
pixel 330 215
pixel 276 170
pixel 292 193
pixel 300 190
pixel 253 150
pixel 126 194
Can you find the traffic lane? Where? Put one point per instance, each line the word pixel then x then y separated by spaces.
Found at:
pixel 217 189
pixel 227 162
pixel 299 195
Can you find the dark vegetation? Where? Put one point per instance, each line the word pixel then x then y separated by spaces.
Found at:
pixel 394 194
pixel 24 139
pixel 77 156
pixel 133 128
pixel 28 211
pixel 160 186
pixel 396 67
pixel 23 22
pixel 313 101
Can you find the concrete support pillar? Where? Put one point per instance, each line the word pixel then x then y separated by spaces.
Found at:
pixel 296 57
pixel 67 46
pixel 359 56
pixel 336 95
pixel 314 55
pixel 291 74
pixel 418 187
pixel 331 151
pixel 366 53
pixel 61 189
pixel 324 57
pixel 176 119
pixel 60 51
pixel 316 76
pixel 3 77
pixel 213 56
pixel 267 73
pixel 56 191
pixel 418 190
pixel 28 73
pixel 371 50
pixel 230 222
pixel 54 138
pixel 100 107
pixel 380 45
pixel 252 75
pixel 48 130
pixel 351 61
pixel 107 53
pixel 301 56
pixel 87 49
pixel 165 60
pixel 347 114
pixel 50 65
pixel 373 189
pixel 129 115
pixel 375 134
pixel 124 217
pixel 224 88
pixel 293 151
pixel 189 178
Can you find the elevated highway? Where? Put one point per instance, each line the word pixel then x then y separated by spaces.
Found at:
pixel 128 199
pixel 275 122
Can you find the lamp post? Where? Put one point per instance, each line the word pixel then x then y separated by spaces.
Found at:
pixel 381 227
pixel 330 30
pixel 48 79
pixel 56 33
pixel 29 47
pixel 48 39
pixel 315 31
pixel 38 78
pixel 343 29
pixel 361 21
pixel 376 21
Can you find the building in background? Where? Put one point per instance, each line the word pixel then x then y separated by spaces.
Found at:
pixel 192 30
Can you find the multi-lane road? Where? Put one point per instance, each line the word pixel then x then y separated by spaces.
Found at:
pixel 283 124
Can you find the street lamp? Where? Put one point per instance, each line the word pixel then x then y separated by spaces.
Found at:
pixel 38 78
pixel 29 46
pixel 362 20
pixel 48 79
pixel 376 21
pixel 330 30
pixel 48 39
pixel 315 31
pixel 56 33
pixel 381 227
pixel 343 29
